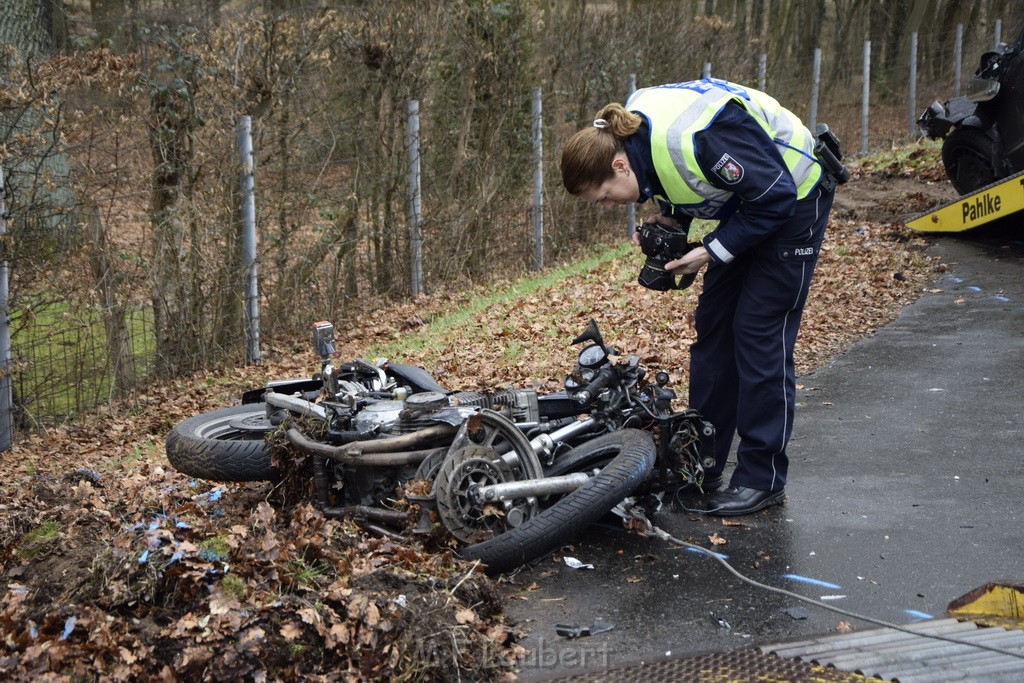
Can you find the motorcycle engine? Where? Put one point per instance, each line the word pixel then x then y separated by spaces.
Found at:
pixel 421 410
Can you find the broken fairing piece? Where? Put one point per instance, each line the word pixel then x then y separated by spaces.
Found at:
pixel 574 631
pixel 573 563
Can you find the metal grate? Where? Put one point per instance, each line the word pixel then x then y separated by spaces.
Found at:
pixel 740 666
pixel 909 658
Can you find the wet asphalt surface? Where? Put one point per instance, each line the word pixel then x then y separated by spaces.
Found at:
pixel 906 491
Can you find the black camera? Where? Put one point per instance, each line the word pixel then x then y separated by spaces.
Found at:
pixel 661 245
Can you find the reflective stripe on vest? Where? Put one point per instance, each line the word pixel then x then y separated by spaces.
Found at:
pixel 678 112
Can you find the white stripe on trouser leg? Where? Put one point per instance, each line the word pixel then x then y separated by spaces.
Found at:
pixel 785 397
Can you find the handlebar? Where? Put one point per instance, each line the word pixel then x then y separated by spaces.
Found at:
pixel 604 376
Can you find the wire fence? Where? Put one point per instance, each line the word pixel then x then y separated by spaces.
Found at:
pixel 122 180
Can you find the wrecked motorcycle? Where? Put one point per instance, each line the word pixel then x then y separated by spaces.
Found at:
pixel 511 474
pixel 983 131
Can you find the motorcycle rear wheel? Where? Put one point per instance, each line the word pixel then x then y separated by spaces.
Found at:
pixel 631 453
pixel 223 445
pixel 972 159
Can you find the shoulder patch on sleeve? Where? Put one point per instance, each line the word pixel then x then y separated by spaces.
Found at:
pixel 728 169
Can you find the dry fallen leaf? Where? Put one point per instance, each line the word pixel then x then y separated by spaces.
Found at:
pixel 291 631
pixel 716 539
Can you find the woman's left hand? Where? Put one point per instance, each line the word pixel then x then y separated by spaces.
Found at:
pixel 690 262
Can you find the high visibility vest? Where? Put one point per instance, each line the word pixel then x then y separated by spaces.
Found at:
pixel 678 112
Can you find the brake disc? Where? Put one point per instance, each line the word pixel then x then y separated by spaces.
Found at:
pixel 466 468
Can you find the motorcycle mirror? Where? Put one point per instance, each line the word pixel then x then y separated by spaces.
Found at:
pixel 591 333
pixel 323 340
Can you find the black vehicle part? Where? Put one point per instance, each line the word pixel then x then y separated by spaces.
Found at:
pixel 632 452
pixel 580 459
pixel 223 445
pixel 972 159
pixel 417 377
pixel 309 388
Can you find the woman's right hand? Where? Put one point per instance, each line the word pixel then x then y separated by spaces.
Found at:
pixel 662 219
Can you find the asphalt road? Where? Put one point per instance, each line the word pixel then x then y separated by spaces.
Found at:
pixel 906 491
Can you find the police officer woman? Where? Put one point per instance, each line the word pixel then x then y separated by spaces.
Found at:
pixel 717 150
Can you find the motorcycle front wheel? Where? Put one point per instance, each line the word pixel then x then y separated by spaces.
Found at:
pixel 972 159
pixel 223 445
pixel 630 454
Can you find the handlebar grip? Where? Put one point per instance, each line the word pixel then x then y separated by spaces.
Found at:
pixel 604 376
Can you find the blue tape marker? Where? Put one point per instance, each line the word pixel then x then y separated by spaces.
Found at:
pixel 143 557
pixel 1002 298
pixel 69 626
pixel 816 582
pixel 707 552
pixel 917 615
pixel 972 288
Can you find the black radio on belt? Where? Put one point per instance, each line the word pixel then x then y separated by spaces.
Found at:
pixel 830 154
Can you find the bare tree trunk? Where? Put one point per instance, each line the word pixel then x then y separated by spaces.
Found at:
pixel 229 313
pixel 33 26
pixel 112 305
pixel 177 333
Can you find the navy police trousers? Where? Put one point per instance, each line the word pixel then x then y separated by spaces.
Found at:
pixel 742 377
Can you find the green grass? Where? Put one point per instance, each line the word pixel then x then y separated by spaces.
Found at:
pixel 454 323
pixel 913 156
pixel 61 355
pixel 34 542
pixel 233 587
pixel 446 326
pixel 310 573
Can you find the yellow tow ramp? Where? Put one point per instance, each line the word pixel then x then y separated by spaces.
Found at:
pixel 998 200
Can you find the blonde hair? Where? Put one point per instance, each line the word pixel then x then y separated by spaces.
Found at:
pixel 586 158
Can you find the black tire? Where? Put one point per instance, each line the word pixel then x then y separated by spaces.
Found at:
pixel 632 453
pixel 972 159
pixel 209 446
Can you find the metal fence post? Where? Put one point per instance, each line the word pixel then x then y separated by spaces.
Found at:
pixel 248 216
pixel 865 106
pixel 815 83
pixel 912 88
pixel 415 198
pixel 762 71
pixel 706 71
pixel 631 209
pixel 958 51
pixel 537 129
pixel 6 420
pixel 999 34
